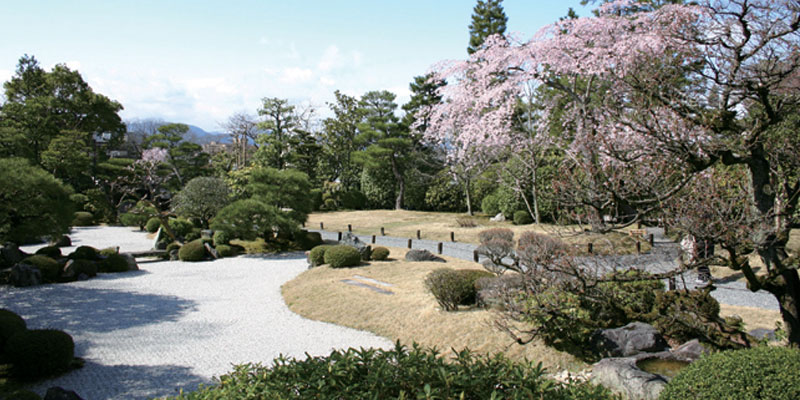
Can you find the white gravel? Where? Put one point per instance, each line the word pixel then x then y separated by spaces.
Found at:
pixel 174 325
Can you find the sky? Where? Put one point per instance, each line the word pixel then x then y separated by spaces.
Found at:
pixel 198 62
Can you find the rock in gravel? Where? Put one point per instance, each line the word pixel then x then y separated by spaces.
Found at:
pixel 62 241
pixel 57 393
pixel 422 255
pixel 350 239
pixel 9 255
pixel 631 339
pixel 498 218
pixel 24 275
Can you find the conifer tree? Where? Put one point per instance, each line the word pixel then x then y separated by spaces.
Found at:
pixel 488 18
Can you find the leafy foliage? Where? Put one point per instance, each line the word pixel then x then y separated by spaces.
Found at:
pixel 247 219
pixel 449 287
pixel 49 267
pixel 379 253
pixel 758 373
pixel 398 373
pixel 84 253
pixel 316 256
pixel 152 225
pixel 202 198
pixel 192 251
pixel 522 217
pixel 39 353
pixel 83 218
pixel 10 323
pixel 341 256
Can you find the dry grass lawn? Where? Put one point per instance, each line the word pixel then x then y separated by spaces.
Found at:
pixel 411 314
pixel 752 317
pixel 438 225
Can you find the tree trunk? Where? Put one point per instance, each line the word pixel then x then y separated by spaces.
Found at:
pixel 534 194
pixel 469 198
pixel 401 185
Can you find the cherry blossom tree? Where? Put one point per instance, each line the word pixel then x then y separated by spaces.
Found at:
pixel 655 102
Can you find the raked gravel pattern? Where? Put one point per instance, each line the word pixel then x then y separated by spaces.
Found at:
pixel 174 325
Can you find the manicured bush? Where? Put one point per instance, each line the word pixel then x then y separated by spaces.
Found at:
pixel 193 234
pixel 108 251
pixel 192 251
pixel 50 251
pixel 379 253
pixel 49 267
pixel 399 373
pixel 225 250
pixel 39 353
pixel 221 237
pixel 246 219
pixel 82 218
pixel 114 263
pixel 10 324
pixel 317 255
pixel 759 373
pixel 180 226
pixel 152 225
pixel 305 240
pixel 202 198
pixel 86 267
pixel 472 276
pixel 449 287
pixel 84 253
pixel 173 246
pixel 522 217
pixel 341 256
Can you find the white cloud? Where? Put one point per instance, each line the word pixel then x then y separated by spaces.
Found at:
pixel 5 75
pixel 295 75
pixel 326 81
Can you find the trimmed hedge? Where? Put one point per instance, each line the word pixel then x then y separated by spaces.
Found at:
pixel 450 287
pixel 114 263
pixel 522 218
pixel 49 267
pixel 316 256
pixel 398 373
pixel 758 373
pixel 152 225
pixel 85 253
pixel 39 353
pixel 379 253
pixel 341 256
pixel 225 250
pixel 192 251
pixel 50 251
pixel 221 237
pixel 83 218
pixel 10 324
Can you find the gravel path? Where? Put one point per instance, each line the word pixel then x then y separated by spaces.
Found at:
pixel 174 325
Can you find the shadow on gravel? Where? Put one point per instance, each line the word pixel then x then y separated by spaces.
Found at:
pixel 78 309
pixel 126 381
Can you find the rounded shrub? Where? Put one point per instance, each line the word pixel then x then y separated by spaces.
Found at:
pixel 449 287
pixel 307 240
pixel 341 256
pixel 192 251
pixel 130 219
pixel 758 373
pixel 472 276
pixel 221 237
pixel 39 353
pixel 83 218
pixel 173 246
pixel 490 205
pixel 85 253
pixel 181 226
pixel 10 324
pixel 49 267
pixel 193 234
pixel 86 267
pixel 23 394
pixel 108 251
pixel 225 250
pixel 50 251
pixel 114 263
pixel 152 225
pixel 380 253
pixel 522 217
pixel 317 255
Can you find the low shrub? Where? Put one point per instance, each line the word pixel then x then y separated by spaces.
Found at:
pixel 305 240
pixel 341 256
pixel 86 267
pixel 50 251
pixel 130 219
pixel 522 217
pixel 193 234
pixel 379 253
pixel 49 267
pixel 84 253
pixel 192 251
pixel 114 263
pixel 225 250
pixel 10 324
pixel 221 237
pixel 472 276
pixel 490 205
pixel 399 373
pixel 83 218
pixel 181 226
pixel 173 246
pixel 758 373
pixel 152 225
pixel 39 353
pixel 109 251
pixel 466 222
pixel 316 256
pixel 450 287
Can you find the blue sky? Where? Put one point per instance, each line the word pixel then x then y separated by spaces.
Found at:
pixel 198 62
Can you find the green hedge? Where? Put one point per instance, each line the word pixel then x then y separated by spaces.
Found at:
pixel 152 225
pixel 341 256
pixel 522 217
pixel 82 218
pixel 39 353
pixel 49 267
pixel 10 324
pixel 316 256
pixel 379 253
pixel 398 373
pixel 450 287
pixel 192 251
pixel 758 373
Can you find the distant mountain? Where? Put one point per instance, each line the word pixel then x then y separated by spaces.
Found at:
pixel 200 136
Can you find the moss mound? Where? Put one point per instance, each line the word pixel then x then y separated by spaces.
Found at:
pixel 10 324
pixel 49 267
pixel 192 251
pixel 39 353
pixel 152 225
pixel 316 256
pixel 341 256
pixel 51 251
pixel 114 263
pixel 225 250
pixel 379 253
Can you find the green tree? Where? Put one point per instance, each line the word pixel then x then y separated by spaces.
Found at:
pixel 202 198
pixel 67 158
pixel 286 189
pixel 339 142
pixel 278 139
pixel 488 18
pixel 187 159
pixel 33 203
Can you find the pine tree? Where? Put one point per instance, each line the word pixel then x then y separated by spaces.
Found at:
pixel 488 18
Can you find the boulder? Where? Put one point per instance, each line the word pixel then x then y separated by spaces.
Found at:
pixel 10 254
pixel 422 255
pixel 690 351
pixel 73 269
pixel 211 250
pixel 498 218
pixel 173 255
pixel 621 375
pixel 62 241
pixel 23 275
pixel 761 333
pixel 57 393
pixel 631 339
pixel 350 239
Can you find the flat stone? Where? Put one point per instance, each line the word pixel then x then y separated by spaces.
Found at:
pixel 375 281
pixel 631 339
pixel 364 285
pixel 621 375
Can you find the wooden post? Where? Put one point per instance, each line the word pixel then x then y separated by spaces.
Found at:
pixel 589 248
pixel 340 235
pixel 452 236
pixel 638 247
pixel 304 224
pixel 418 235
pixel 440 247
pixel 382 232
pixel 672 284
pixel 373 239
pixel 651 239
pixel 349 228
pixel 475 255
pixel 409 243
pixel 666 230
pixel 639 225
pixel 321 226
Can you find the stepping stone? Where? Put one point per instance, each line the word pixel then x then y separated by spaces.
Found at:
pixel 375 281
pixel 364 285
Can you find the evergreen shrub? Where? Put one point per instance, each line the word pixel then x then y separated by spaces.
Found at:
pixel 114 263
pixel 225 250
pixel 450 287
pixel 84 253
pixel 86 267
pixel 152 225
pixel 763 372
pixel 192 251
pixel 39 353
pixel 221 237
pixel 522 217
pixel 472 276
pixel 83 218
pixel 490 205
pixel 10 324
pixel 51 251
pixel 379 253
pixel 341 256
pixel 173 246
pixel 316 256
pixel 49 267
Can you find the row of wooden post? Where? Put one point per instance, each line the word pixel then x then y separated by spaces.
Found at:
pixel 383 232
